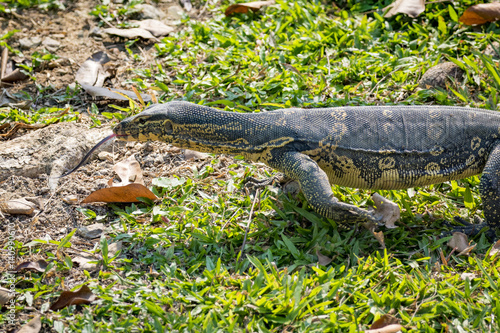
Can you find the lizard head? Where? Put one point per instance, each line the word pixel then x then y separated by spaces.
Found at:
pixel 182 124
pixel 153 123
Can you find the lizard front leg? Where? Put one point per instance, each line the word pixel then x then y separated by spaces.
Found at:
pixel 316 187
pixel 490 190
pixel 490 195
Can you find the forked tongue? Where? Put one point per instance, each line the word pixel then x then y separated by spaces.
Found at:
pixel 86 157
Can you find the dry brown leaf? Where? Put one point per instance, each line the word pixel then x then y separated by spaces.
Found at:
pixel 82 296
pixel 130 33
pixel 385 324
pixel 129 171
pixel 5 296
pixel 194 155
pixel 495 248
pixel 387 211
pixel 156 27
pixel 39 265
pixel 33 326
pixel 84 262
pixel 243 8
pixel 322 259
pixel 379 236
pixel 128 193
pixel 17 207
pixel 459 241
pixel 481 13
pixel 412 8
pixel 91 71
pixel 14 76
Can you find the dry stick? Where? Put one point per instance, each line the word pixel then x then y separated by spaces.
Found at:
pixel 3 67
pixel 248 224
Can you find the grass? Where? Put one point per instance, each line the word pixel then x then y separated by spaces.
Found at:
pixel 181 269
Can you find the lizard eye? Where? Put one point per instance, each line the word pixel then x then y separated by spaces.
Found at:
pixel 141 121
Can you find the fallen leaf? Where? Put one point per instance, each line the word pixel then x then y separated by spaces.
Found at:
pixel 412 8
pixel 129 171
pixel 322 259
pixel 481 13
pixel 83 296
pixel 84 262
pixel 157 28
pixel 131 33
pixel 17 207
pixel 128 193
pixel 39 265
pixel 111 94
pixel 5 296
pixel 379 236
pixel 243 8
pixel 194 155
pixel 14 76
pixel 385 324
pixel 459 241
pixel 386 211
pixel 91 71
pixel 495 248
pixel 33 326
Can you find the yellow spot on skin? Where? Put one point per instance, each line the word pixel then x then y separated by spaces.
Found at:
pixel 437 151
pixel 432 168
pixel 386 163
pixel 339 115
pixel 481 152
pixel 387 113
pixel 470 160
pixel 388 128
pixel 475 143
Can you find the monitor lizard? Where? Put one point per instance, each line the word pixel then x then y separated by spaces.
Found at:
pixel 370 147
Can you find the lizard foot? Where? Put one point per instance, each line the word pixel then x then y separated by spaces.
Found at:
pixel 254 183
pixel 470 229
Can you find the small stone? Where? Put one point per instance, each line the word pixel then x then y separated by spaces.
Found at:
pixel 440 75
pixel 51 44
pixel 91 231
pixel 96 32
pixel 150 12
pixel 105 156
pixel 70 199
pixel 30 42
pixel 175 12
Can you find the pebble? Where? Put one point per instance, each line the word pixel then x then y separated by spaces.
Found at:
pixel 30 42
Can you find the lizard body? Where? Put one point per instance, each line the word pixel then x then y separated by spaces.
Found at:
pixel 371 147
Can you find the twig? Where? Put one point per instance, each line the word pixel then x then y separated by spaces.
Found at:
pixel 248 224
pixel 5 56
pixel 106 22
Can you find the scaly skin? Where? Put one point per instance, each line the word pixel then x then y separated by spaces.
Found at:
pixel 372 147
